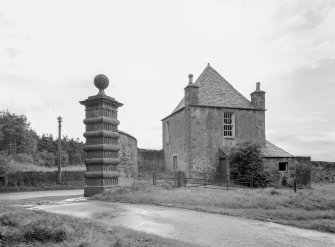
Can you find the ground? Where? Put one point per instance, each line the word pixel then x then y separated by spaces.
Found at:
pixel 23 227
pixel 114 225
pixel 308 208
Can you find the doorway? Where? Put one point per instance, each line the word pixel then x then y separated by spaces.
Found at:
pixel 223 169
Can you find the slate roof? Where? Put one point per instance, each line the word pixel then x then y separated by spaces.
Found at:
pixel 214 90
pixel 272 150
pixel 269 151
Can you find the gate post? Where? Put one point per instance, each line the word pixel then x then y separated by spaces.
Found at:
pixel 101 147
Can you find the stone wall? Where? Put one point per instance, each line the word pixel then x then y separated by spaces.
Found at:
pixel 195 134
pixel 323 171
pixel 129 158
pixel 280 178
pixel 174 132
pixel 304 170
pixel 207 133
pixel 150 159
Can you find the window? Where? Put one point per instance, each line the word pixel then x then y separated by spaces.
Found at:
pixel 175 163
pixel 228 124
pixel 282 166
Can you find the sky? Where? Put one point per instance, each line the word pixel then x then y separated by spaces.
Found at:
pixel 50 52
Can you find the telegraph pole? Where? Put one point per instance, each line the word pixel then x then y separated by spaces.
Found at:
pixel 59 149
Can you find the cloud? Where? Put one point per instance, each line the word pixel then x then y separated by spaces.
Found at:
pixel 11 53
pixel 301 115
pixel 4 21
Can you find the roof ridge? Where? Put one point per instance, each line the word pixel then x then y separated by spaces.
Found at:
pixel 215 90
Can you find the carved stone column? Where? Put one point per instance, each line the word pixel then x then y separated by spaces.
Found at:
pixel 101 148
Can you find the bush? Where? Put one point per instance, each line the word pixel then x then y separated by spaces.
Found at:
pixel 22 158
pixel 247 156
pixel 44 230
pixel 4 161
pixel 8 220
pixel 46 158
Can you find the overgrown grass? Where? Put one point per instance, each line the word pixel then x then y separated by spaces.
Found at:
pixel 23 227
pixel 29 177
pixel 25 167
pixel 309 208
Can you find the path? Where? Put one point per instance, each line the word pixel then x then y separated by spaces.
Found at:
pixel 191 226
pixel 36 194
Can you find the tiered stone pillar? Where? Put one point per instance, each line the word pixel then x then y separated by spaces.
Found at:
pixel 101 148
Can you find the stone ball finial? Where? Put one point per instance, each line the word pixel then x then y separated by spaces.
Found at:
pixel 101 82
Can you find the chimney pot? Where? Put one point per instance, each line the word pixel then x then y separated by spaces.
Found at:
pixel 190 79
pixel 258 86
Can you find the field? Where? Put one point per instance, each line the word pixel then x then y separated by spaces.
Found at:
pixel 308 208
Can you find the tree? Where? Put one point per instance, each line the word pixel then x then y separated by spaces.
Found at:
pixel 249 163
pixel 17 131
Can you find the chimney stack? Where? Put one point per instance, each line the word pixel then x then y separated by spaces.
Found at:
pixel 258 97
pixel 191 92
pixel 190 79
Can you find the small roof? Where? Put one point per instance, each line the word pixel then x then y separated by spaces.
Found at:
pixel 272 151
pixel 269 151
pixel 214 90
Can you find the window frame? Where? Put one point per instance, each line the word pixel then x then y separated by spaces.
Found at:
pixel 232 124
pixel 175 166
pixel 286 166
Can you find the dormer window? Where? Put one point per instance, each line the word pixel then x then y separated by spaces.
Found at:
pixel 229 124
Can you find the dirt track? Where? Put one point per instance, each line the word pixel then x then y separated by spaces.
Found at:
pixel 191 226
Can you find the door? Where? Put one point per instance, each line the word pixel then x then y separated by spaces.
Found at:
pixel 175 163
pixel 223 169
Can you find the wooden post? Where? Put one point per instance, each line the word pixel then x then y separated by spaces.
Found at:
pixel 154 178
pixel 205 181
pixel 176 179
pixel 227 183
pixel 59 149
pixel 184 179
pixel 295 186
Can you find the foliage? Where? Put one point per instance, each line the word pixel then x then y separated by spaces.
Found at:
pixel 249 163
pixel 22 158
pixel 207 170
pixel 72 151
pixel 19 138
pixel 16 131
pixel 46 158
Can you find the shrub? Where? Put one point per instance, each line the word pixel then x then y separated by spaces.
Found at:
pixel 46 158
pixel 7 220
pixel 22 158
pixel 247 156
pixel 44 230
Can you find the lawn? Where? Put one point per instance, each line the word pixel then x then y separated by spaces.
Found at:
pixel 308 208
pixel 24 227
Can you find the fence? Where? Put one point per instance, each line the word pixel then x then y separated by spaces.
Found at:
pixel 180 180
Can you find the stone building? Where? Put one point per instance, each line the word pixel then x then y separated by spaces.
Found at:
pixel 212 118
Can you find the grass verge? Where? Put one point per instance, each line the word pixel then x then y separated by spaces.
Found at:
pixel 308 208
pixel 23 227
